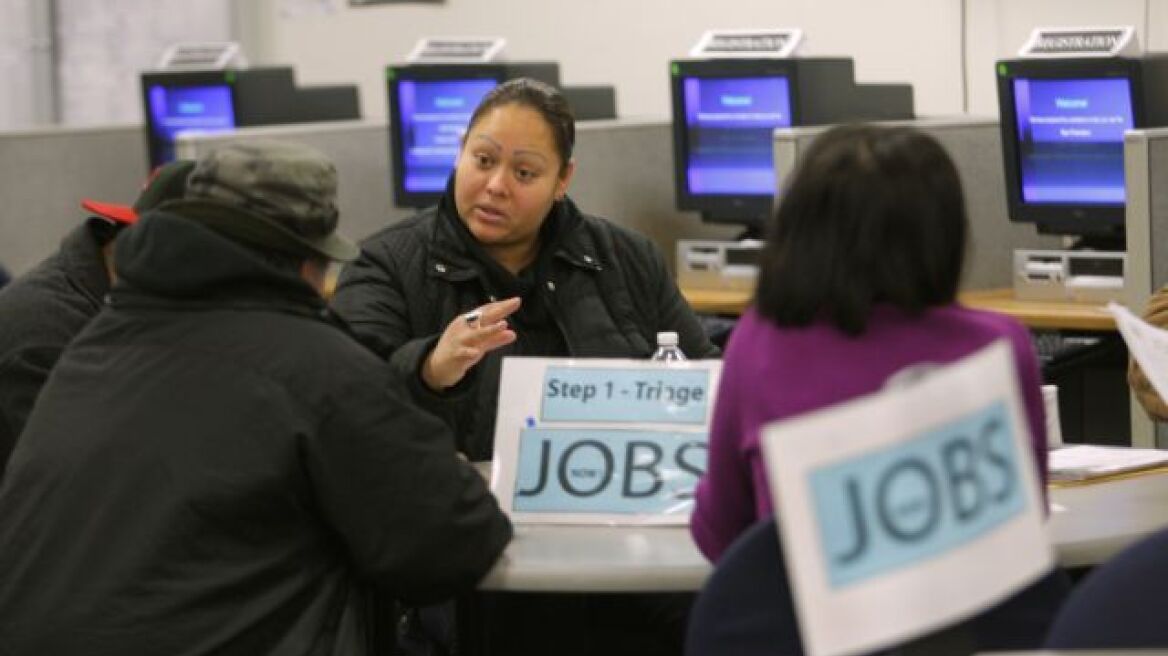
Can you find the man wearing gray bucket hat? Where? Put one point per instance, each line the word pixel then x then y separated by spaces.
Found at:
pixel 215 465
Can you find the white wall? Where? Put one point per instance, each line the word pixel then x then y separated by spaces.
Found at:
pixel 628 42
pixel 103 44
pixel 997 28
pixel 622 42
pixel 25 63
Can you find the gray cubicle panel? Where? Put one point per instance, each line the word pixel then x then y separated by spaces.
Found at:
pixel 623 172
pixel 974 144
pixel 45 173
pixel 358 148
pixel 1146 181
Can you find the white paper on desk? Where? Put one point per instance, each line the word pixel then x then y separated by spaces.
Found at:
pixel 1146 343
pixel 910 509
pixel 601 441
pixel 1086 461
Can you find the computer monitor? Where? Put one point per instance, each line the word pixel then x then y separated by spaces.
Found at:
pixel 1062 125
pixel 725 112
pixel 430 106
pixel 724 116
pixel 206 101
pixel 177 104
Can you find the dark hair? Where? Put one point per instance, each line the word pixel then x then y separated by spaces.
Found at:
pixel 543 98
pixel 871 215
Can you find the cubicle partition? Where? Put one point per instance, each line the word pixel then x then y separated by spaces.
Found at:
pixel 975 146
pixel 45 173
pixel 623 172
pixel 1146 180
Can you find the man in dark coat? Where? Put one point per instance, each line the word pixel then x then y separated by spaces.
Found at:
pixel 215 465
pixel 43 310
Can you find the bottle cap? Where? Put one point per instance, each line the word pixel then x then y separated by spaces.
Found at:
pixel 667 339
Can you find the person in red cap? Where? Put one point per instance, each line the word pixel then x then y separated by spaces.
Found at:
pixel 43 310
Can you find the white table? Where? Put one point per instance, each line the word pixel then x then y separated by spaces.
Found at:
pixel 548 558
pixel 1088 524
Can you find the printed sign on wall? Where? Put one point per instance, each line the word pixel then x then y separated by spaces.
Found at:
pixel 909 509
pixel 601 441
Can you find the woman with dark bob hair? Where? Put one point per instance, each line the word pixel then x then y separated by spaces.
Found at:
pixel 506 264
pixel 858 281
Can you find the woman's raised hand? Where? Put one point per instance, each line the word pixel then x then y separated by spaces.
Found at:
pixel 466 340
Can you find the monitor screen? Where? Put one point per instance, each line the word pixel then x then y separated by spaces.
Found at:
pixel 175 110
pixel 728 126
pixel 1070 139
pixel 433 116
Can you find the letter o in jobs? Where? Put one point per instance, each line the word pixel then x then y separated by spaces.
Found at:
pixel 888 515
pixel 565 481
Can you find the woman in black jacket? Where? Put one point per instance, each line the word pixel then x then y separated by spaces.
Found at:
pixel 506 264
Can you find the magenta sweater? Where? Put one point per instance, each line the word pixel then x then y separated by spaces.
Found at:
pixel 772 373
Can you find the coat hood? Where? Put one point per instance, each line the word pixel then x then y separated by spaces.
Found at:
pixel 168 255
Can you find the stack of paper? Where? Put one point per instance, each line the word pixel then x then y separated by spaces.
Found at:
pixel 1082 462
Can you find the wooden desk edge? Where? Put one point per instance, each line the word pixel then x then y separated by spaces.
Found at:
pixel 1034 314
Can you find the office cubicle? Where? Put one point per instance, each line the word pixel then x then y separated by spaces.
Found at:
pixel 1146 179
pixel 45 173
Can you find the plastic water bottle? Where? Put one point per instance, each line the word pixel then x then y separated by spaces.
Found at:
pixel 667 348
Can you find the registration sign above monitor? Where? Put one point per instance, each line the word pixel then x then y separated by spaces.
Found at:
pixel 779 42
pixel 434 49
pixel 1081 42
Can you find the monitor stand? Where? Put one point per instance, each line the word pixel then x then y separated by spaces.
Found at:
pixel 751 224
pixel 752 233
pixel 1103 244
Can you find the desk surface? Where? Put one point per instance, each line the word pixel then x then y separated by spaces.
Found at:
pixel 1088 524
pixel 1035 314
pixel 547 558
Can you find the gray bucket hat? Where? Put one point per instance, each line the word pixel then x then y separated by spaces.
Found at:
pixel 272 194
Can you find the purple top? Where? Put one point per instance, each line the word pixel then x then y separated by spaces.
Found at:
pixel 772 373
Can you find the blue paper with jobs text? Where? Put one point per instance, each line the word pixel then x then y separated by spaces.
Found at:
pixel 608 471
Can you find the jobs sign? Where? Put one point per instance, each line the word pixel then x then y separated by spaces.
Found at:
pixel 910 509
pixel 601 441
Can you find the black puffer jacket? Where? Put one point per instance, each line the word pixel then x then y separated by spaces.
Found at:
pixel 40 313
pixel 215 467
pixel 606 289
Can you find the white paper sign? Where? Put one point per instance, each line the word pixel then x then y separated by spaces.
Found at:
pixel 1147 344
pixel 910 509
pixel 601 440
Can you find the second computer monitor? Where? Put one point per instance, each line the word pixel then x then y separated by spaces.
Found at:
pixel 185 103
pixel 724 115
pixel 430 106
pixel 725 112
pixel 1062 124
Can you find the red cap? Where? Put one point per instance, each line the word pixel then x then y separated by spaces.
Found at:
pixel 111 211
pixel 166 182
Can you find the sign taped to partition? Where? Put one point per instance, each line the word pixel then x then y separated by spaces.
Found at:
pixel 910 509
pixel 601 441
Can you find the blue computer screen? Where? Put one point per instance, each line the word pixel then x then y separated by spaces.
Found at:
pixel 434 116
pixel 729 122
pixel 174 110
pixel 1070 139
